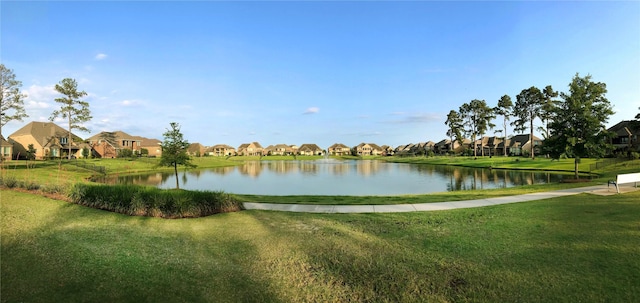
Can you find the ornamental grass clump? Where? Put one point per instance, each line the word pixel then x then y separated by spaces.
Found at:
pixel 150 201
pixel 9 182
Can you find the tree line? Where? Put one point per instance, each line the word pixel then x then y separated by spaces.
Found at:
pixel 572 126
pixel 475 118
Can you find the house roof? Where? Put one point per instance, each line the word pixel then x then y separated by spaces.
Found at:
pixel 4 142
pixel 195 147
pixel 624 128
pixel 42 132
pixel 309 146
pixel 222 146
pixel 282 146
pixel 338 145
pixel 375 146
pixel 219 146
pixel 148 142
pixel 443 143
pixel 246 145
pixel 115 136
pixel 523 139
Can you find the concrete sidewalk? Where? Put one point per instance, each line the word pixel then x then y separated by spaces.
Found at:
pixel 396 208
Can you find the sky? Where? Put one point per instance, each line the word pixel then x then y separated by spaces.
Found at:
pixel 320 72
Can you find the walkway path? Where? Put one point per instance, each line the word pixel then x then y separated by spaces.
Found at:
pixel 307 208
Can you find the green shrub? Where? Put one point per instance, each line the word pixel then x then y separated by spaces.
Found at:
pixel 150 201
pixel 32 186
pixel 125 153
pixel 10 182
pixel 53 189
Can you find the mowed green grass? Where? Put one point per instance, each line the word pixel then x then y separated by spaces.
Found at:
pixel 573 249
pixel 501 162
pixel 460 195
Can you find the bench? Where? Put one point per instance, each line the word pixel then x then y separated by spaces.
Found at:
pixel 625 178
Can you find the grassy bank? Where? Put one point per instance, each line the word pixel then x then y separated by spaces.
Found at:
pixel 573 249
pixel 409 199
pixel 499 162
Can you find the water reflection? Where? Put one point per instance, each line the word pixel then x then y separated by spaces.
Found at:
pixel 332 177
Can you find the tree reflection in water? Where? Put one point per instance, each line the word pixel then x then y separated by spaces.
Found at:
pixel 333 177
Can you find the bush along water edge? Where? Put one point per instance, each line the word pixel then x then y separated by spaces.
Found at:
pixel 135 200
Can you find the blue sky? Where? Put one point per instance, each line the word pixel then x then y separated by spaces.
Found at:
pixel 311 72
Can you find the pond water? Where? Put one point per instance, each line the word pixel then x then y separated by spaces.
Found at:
pixel 334 177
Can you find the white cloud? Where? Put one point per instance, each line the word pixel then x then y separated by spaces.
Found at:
pixel 37 93
pixel 133 102
pixel 126 102
pixel 101 56
pixel 370 134
pixel 311 110
pixel 414 117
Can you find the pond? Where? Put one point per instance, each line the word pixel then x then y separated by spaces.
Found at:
pixel 335 177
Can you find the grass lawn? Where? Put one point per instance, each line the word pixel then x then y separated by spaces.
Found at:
pixel 573 249
pixel 500 162
pixel 411 199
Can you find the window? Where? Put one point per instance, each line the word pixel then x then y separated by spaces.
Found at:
pixel 63 140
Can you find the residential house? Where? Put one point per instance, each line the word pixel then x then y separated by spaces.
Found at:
pixel 221 150
pixel 310 150
pixel 250 149
pixel 48 139
pixel 520 144
pixel 419 149
pixel 387 150
pixel 196 150
pixel 278 150
pixel 153 147
pixel 625 135
pixel 403 149
pixel 488 146
pixel 426 146
pixel 491 146
pixel 109 144
pixel 6 149
pixel 445 146
pixel 339 149
pixel 368 149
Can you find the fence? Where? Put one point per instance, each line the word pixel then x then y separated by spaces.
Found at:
pixel 605 162
pixel 90 166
